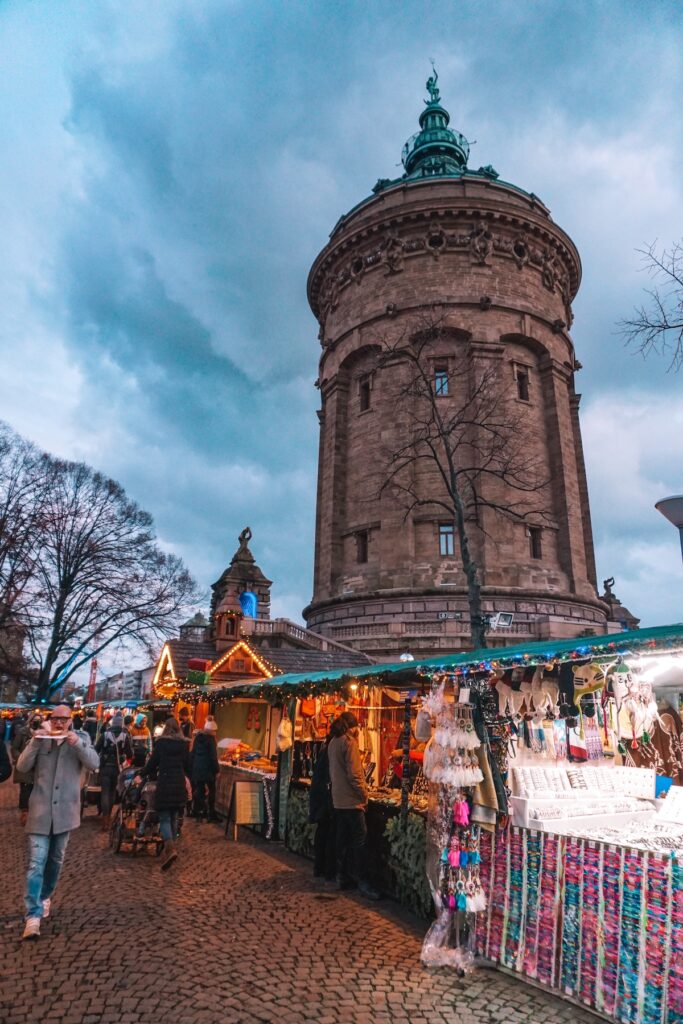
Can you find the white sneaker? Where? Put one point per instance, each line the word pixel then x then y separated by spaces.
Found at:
pixel 31 929
pixel 46 909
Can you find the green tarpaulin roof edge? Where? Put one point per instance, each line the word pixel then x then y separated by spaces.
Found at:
pixel 529 653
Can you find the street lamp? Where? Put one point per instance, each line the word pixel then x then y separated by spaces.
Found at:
pixel 672 509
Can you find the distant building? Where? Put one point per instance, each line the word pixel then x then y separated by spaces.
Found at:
pixel 132 685
pixel 241 641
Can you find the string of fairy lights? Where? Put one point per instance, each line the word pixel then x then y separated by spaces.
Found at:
pixel 420 676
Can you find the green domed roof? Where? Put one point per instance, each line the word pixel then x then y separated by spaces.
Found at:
pixel 436 148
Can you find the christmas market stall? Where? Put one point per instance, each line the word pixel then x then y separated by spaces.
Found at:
pixel 217 674
pixel 246 725
pixel 546 816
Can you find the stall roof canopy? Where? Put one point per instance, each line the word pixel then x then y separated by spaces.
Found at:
pixel 148 702
pixel 640 640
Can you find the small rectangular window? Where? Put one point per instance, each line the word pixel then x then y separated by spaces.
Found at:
pixel 535 545
pixel 522 384
pixel 446 540
pixel 362 546
pixel 364 393
pixel 440 379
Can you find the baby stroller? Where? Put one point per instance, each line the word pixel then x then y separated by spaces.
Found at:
pixel 135 822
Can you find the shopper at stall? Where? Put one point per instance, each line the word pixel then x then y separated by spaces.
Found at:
pixel 115 748
pixel 321 814
pixel 204 770
pixel 169 765
pixel 186 724
pixel 90 725
pixel 24 780
pixel 57 756
pixel 350 798
pixel 142 740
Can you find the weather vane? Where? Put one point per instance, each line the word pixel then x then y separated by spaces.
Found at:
pixel 432 87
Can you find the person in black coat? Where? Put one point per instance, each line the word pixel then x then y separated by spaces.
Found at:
pixel 204 762
pixel 90 725
pixel 5 763
pixel 169 764
pixel 115 748
pixel 321 813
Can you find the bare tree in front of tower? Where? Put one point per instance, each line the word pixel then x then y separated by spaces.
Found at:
pixel 463 448
pixel 657 326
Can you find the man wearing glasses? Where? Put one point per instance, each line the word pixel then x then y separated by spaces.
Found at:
pixel 57 756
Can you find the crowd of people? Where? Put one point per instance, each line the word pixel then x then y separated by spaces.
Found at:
pixel 51 757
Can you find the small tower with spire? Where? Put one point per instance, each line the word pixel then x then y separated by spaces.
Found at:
pixel 241 593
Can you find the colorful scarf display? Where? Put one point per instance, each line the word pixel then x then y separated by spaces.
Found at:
pixel 599 923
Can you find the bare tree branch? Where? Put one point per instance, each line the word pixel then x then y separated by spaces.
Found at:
pixel 458 452
pixel 657 326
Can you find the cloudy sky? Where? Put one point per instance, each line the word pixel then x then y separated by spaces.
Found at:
pixel 170 170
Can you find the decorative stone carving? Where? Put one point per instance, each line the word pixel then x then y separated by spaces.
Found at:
pixel 436 239
pixel 549 270
pixel 485 303
pixel 520 250
pixel 480 244
pixel 357 269
pixel 393 251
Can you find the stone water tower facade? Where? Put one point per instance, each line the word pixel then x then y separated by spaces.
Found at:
pixel 486 259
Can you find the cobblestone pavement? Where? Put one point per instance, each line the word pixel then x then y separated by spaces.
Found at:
pixel 235 933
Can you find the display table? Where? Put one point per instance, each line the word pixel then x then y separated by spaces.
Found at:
pixel 228 775
pixel 596 922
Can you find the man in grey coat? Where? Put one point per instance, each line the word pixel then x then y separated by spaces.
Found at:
pixel 349 798
pixel 57 756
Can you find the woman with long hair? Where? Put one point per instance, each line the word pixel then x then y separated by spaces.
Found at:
pixel 169 764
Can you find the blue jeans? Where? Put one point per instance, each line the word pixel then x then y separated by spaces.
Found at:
pixel 45 859
pixel 168 824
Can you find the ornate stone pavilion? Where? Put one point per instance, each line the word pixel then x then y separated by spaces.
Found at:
pixel 485 261
pixel 241 641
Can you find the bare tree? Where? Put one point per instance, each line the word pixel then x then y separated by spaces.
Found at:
pixel 82 569
pixel 463 447
pixel 22 496
pixel 657 326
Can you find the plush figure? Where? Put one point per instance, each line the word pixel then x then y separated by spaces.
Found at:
pixel 588 678
pixel 545 692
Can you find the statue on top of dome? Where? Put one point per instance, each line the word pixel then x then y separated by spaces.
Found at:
pixel 432 89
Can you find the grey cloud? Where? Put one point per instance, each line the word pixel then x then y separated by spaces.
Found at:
pixel 217 144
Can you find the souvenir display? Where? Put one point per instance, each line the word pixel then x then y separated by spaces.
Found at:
pixel 452 770
pixel 599 896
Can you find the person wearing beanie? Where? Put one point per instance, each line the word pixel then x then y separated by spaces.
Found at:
pixel 115 748
pixel 203 772
pixel 142 740
pixel 350 799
